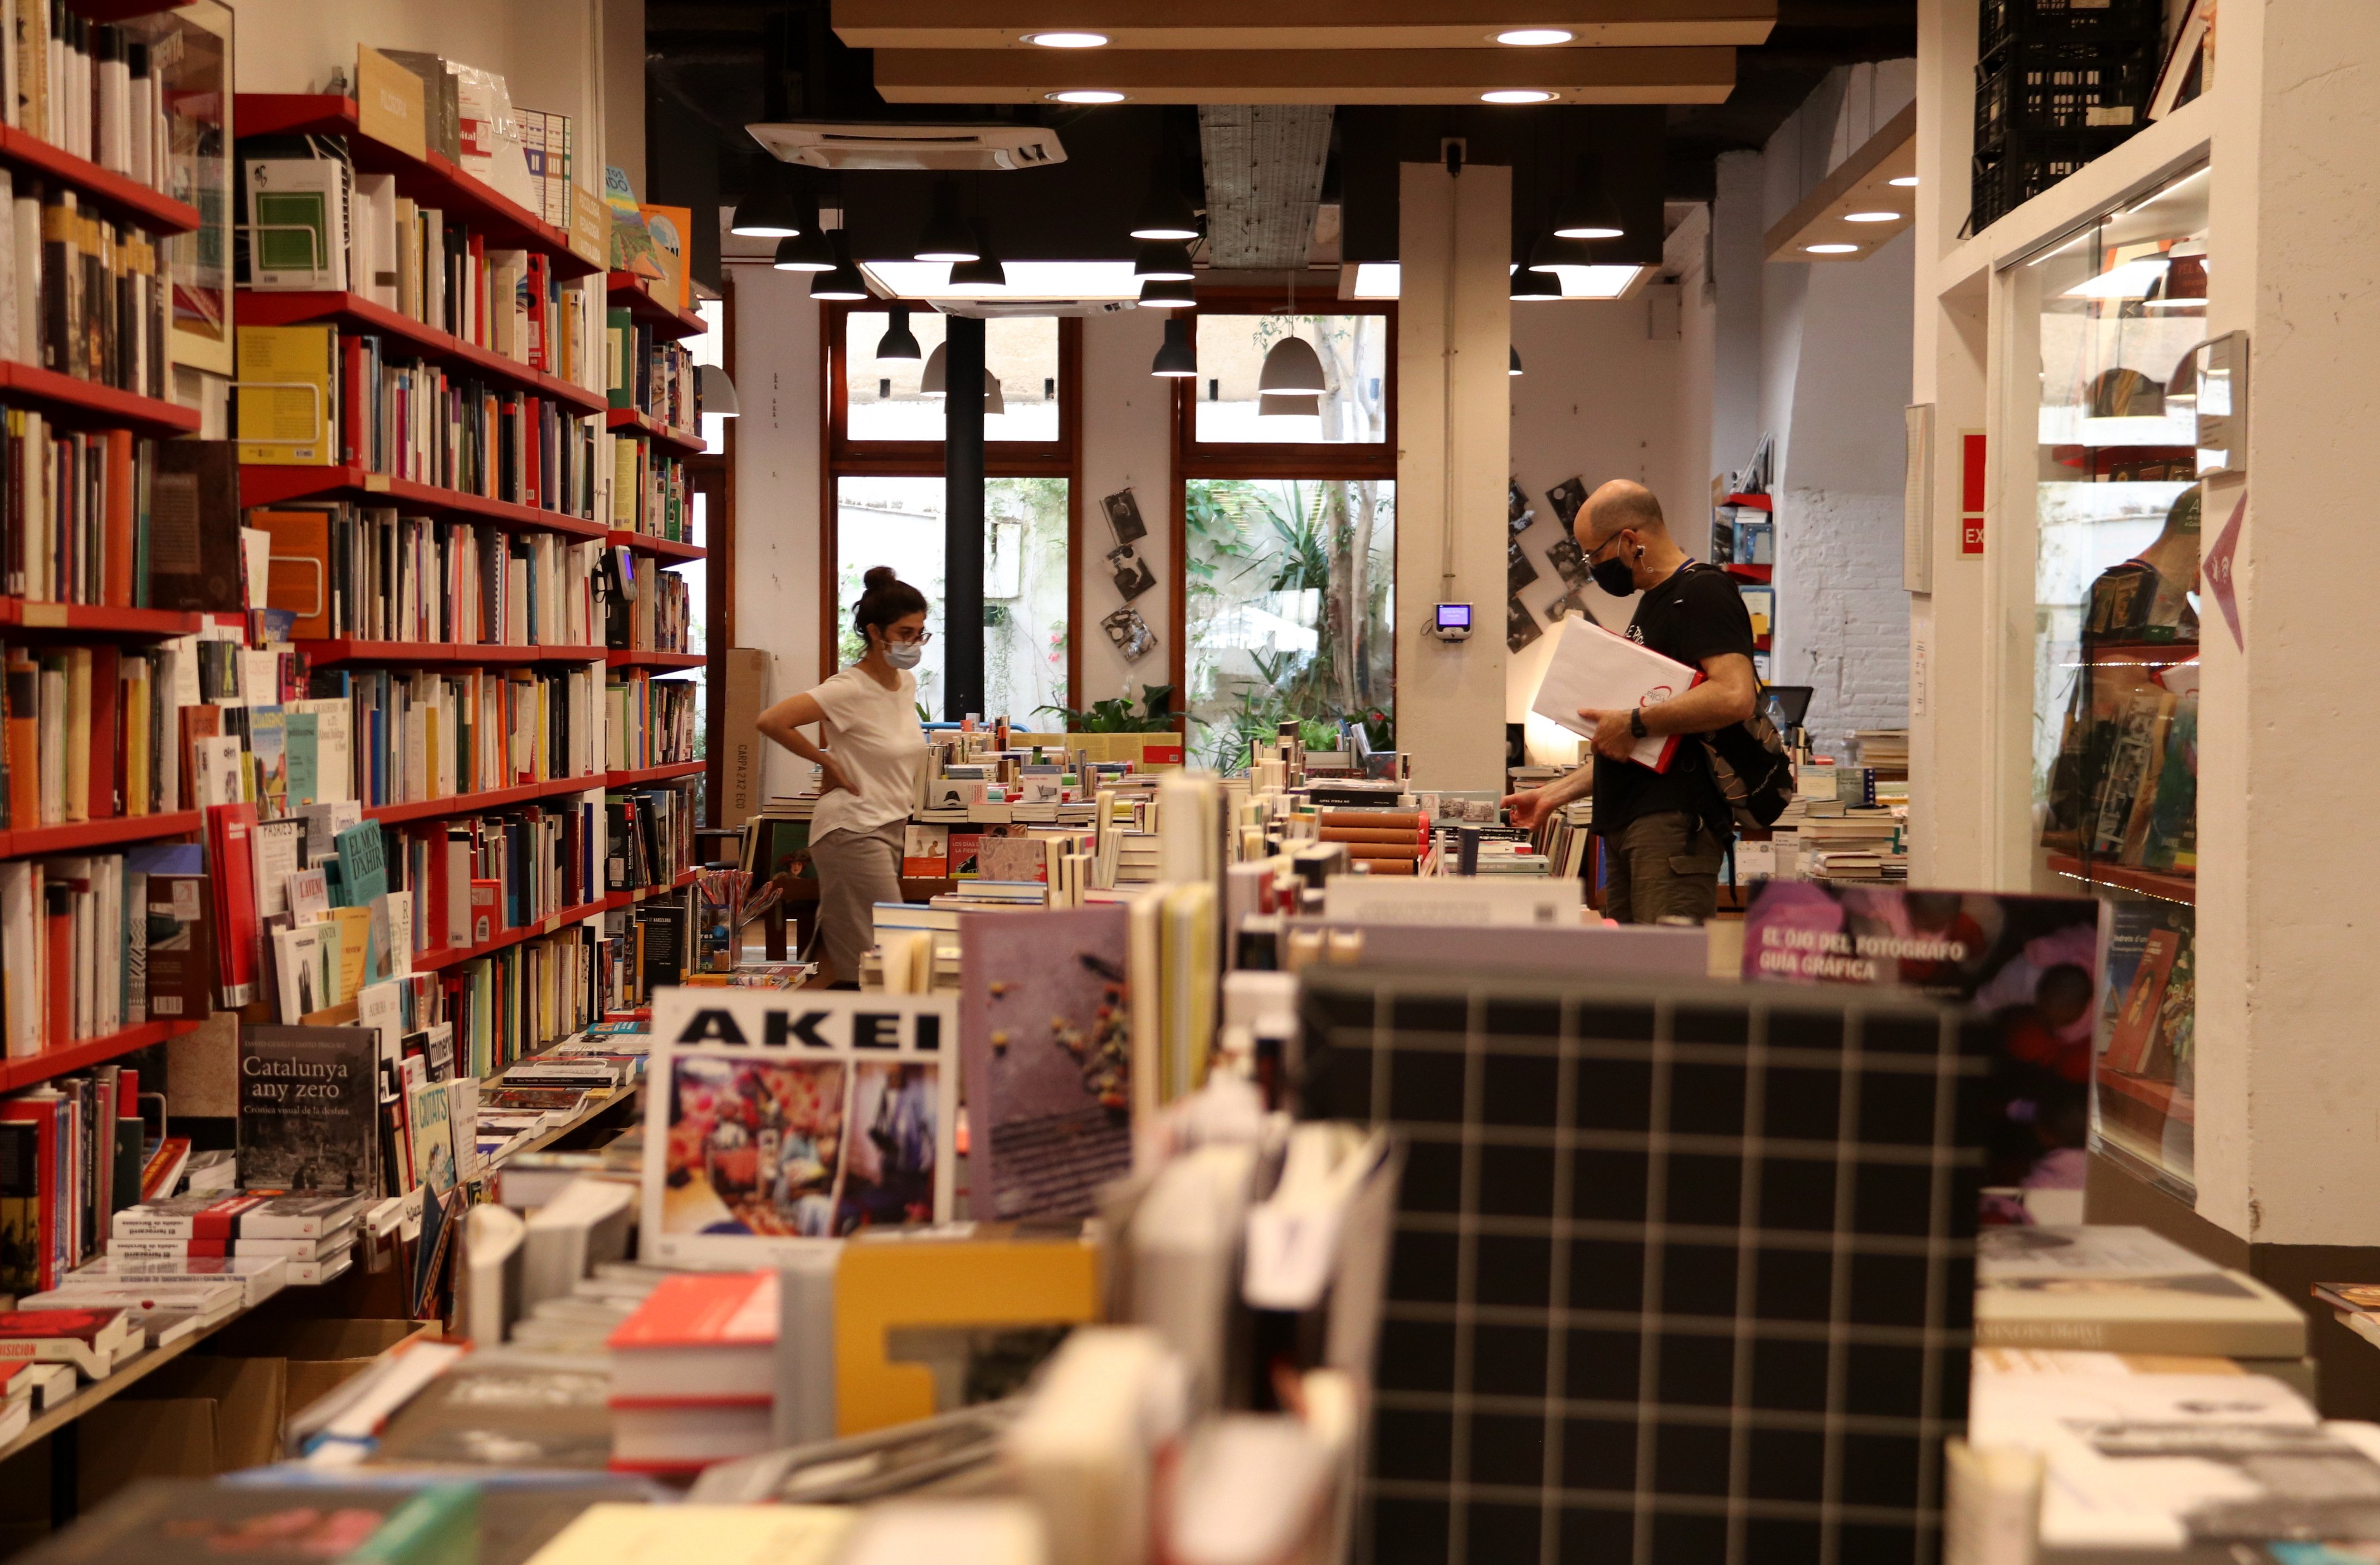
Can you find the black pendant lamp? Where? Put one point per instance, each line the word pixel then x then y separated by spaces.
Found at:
pixel 1177 359
pixel 771 211
pixel 1171 294
pixel 1164 261
pixel 1529 284
pixel 984 270
pixel 1587 210
pixel 806 250
pixel 843 282
pixel 898 341
pixel 1165 212
pixel 948 235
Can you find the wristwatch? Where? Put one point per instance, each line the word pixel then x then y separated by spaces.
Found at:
pixel 1636 723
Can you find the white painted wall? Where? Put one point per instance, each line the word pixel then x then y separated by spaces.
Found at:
pixel 1127 441
pixel 779 381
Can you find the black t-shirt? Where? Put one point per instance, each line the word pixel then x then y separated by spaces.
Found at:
pixel 1696 613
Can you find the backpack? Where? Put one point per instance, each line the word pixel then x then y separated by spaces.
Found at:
pixel 1751 765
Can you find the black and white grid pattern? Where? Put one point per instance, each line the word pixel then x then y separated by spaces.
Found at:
pixel 1683 1275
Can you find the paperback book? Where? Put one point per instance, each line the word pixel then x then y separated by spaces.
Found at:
pixel 310 1108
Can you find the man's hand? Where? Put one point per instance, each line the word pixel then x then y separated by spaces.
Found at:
pixel 1613 737
pixel 1526 808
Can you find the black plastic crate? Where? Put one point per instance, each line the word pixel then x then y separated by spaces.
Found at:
pixel 2013 169
pixel 2027 88
pixel 2066 20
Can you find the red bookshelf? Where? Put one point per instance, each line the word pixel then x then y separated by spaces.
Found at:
pixel 268 485
pixel 121 198
pixel 659 548
pixel 354 309
pixel 446 956
pixel 83 835
pixel 59 1059
pixel 96 619
pixel 348 650
pixel 472 804
pixel 624 657
pixel 2148 883
pixel 630 422
pixel 628 291
pixel 88 404
pixel 429 179
pixel 652 774
pixel 646 893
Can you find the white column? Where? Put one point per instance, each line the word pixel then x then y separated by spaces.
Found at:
pixel 779 384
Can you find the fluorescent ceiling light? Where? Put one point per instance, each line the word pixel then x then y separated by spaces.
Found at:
pixel 1384 280
pixel 1084 95
pixel 1871 217
pixel 1534 37
pixel 1027 280
pixel 1517 95
pixel 2130 281
pixel 1906 181
pixel 1832 249
pixel 1067 39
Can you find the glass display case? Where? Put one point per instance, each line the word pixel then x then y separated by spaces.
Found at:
pixel 2121 308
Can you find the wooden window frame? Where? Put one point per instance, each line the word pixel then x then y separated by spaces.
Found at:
pixel 847 458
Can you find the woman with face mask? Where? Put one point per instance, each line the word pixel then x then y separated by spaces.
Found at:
pixel 868 768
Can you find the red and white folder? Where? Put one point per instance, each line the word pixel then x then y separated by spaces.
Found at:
pixel 1594 668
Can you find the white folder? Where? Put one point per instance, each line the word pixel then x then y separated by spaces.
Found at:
pixel 1594 668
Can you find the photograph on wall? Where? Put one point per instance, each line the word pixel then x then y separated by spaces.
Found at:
pixel 1132 574
pixel 2037 965
pixel 1561 608
pixel 1518 514
pixel 787 1115
pixel 1519 569
pixel 1130 633
pixel 1564 555
pixel 1566 498
pixel 1124 517
pixel 1520 627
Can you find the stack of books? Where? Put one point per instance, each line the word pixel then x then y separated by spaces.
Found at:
pixel 693 1373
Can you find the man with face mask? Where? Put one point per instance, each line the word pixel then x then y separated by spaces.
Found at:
pixel 1665 834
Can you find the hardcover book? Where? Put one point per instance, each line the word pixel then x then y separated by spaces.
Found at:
pixel 308 1105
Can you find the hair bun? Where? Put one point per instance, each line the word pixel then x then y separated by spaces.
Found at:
pixel 880 577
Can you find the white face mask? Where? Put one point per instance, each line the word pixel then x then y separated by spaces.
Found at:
pixel 904 654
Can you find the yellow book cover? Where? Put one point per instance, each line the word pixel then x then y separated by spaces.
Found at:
pixel 135 737
pixel 354 939
pixel 286 417
pixel 719 1534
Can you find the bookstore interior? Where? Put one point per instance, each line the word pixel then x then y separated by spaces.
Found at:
pixel 750 796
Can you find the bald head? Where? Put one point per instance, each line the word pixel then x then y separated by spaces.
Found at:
pixel 1618 504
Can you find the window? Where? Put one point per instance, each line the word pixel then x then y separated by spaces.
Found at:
pixel 1288 532
pixel 886 397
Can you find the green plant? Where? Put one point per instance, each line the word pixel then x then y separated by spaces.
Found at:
pixel 1115 715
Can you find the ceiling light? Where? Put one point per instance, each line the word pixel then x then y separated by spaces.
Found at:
pixel 1168 294
pixel 985 270
pixel 1288 405
pixel 1832 250
pixel 1292 365
pixel 807 250
pixel 769 213
pixel 935 379
pixel 1906 181
pixel 1177 359
pixel 947 235
pixel 1552 253
pixel 1084 95
pixel 1534 37
pixel 1516 369
pixel 1871 217
pixel 1530 285
pixel 1384 280
pixel 1165 212
pixel 898 341
pixel 1072 282
pixel 1162 261
pixel 714 391
pixel 1067 39
pixel 994 403
pixel 844 281
pixel 1587 210
pixel 1517 95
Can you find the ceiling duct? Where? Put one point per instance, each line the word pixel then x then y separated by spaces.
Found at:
pixel 1264 165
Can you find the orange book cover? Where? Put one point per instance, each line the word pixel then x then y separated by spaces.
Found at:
pixel 120 545
pixel 24 687
pixel 2136 1024
pixel 297 574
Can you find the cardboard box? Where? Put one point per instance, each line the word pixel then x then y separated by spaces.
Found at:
pixel 135 1438
pixel 743 772
pixel 316 1357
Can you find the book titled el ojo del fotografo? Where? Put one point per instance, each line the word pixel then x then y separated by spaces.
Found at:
pixel 1596 669
pixel 308 1108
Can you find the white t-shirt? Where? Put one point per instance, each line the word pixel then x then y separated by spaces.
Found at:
pixel 875 739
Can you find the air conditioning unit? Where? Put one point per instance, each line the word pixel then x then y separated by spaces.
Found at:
pixel 886 145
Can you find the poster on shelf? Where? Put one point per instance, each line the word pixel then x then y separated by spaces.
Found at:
pixel 778 1116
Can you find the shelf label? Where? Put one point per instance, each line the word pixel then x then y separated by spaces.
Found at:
pixel 51 616
pixel 377 483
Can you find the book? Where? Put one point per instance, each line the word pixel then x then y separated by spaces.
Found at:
pixel 1596 669
pixel 719 1534
pixel 88 1337
pixel 304 1214
pixel 308 1108
pixel 2135 1035
pixel 298 210
pixel 2093 1250
pixel 2225 1313
pixel 701 1337
pixel 287 415
pixel 498 1407
pixel 587 1224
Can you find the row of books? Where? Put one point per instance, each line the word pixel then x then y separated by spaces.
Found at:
pixel 81 295
pixel 69 1162
pixel 429 733
pixel 369 572
pixel 651 492
pixel 87 88
pixel 2145 810
pixel 649 721
pixel 651 375
pixel 648 837
pixel 98 943
pixel 319 226
pixel 656 613
pixel 76 513
pixel 93 733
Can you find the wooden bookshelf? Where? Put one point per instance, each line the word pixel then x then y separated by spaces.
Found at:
pixel 420 338
pixel 2162 883
pixel 628 291
pixel 642 775
pixel 633 421
pixel 486 799
pixel 81 836
pixel 429 180
pixel 124 200
pixel 60 1059
pixel 70 400
pixel 667 548
pixel 262 484
pixel 646 658
pixel 97 619
pixel 350 649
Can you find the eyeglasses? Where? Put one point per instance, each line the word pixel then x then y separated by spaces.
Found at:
pixel 915 638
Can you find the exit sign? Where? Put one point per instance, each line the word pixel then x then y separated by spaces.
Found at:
pixel 1971 491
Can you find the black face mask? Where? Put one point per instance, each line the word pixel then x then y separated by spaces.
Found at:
pixel 1613 576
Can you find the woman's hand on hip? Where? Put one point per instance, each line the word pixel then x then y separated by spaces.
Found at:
pixel 831 777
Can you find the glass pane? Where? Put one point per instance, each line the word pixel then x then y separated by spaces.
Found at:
pixel 1353 408
pixel 887 401
pixel 2120 307
pixel 898 522
pixel 1291 599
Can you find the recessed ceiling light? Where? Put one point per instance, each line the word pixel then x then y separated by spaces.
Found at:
pixel 1905 181
pixel 1516 95
pixel 1534 37
pixel 1067 39
pixel 1832 250
pixel 1871 217
pixel 1084 95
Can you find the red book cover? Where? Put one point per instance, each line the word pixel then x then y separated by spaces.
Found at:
pixel 541 350
pixel 193 1218
pixel 49 1231
pixel 480 290
pixel 120 546
pixel 231 831
pixel 107 699
pixel 487 915
pixel 57 951
pixel 50 1325
pixel 23 686
pixel 703 1310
